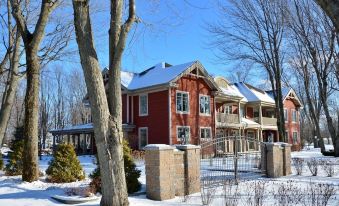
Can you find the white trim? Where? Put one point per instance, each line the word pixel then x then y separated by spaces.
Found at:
pixel 209 99
pixel 132 116
pixel 294 143
pixel 296 118
pixel 286 119
pixel 143 95
pixel 211 136
pixel 170 116
pixel 127 112
pixel 188 102
pixel 189 131
pixel 139 139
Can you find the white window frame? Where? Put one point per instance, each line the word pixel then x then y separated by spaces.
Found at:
pixel 293 142
pixel 228 110
pixel 209 102
pixel 143 95
pixel 188 102
pixel 139 137
pixel 189 132
pixel 296 118
pixel 286 118
pixel 201 128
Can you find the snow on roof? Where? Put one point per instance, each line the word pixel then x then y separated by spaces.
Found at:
pixel 231 90
pixel 126 78
pixel 74 127
pixel 159 74
pixel 252 94
pixel 249 123
pixel 284 92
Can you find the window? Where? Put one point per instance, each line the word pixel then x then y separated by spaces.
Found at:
pixel 182 102
pixel 286 135
pixel 205 133
pixel 285 115
pixel 228 109
pixel 295 137
pixel 183 134
pixel 256 112
pixel 143 105
pixel 143 137
pixel 204 104
pixel 251 142
pixel 294 116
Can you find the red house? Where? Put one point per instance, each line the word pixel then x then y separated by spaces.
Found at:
pixel 168 104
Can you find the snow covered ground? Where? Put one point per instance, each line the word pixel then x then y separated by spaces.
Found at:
pixel 14 192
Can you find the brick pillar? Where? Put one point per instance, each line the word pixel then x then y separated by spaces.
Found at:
pixel 276 159
pixel 159 160
pixel 192 167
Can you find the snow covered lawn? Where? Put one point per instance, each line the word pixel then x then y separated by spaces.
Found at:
pixel 14 192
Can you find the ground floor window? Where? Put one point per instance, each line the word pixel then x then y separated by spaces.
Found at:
pixel 183 134
pixel 251 139
pixel 143 137
pixel 295 137
pixel 205 133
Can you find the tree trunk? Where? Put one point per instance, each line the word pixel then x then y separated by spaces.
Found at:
pixel 106 130
pixel 30 157
pixel 13 82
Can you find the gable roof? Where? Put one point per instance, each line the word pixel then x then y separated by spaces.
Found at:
pixel 253 94
pixel 162 74
pixel 228 89
pixel 288 93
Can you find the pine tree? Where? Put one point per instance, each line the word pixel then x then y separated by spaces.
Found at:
pixel 65 166
pixel 131 172
pixel 15 164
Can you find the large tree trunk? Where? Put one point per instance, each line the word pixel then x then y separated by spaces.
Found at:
pixel 331 8
pixel 30 157
pixel 13 82
pixel 108 136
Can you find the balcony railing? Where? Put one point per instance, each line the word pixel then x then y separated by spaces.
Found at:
pixel 227 118
pixel 268 121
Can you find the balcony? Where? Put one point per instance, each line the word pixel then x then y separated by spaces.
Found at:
pixel 268 121
pixel 227 118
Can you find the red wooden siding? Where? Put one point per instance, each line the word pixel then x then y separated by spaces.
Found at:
pixel 156 121
pixel 289 125
pixel 194 120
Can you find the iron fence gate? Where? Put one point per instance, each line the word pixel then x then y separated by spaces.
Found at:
pixel 230 158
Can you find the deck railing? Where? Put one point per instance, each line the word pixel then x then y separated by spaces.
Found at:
pixel 227 118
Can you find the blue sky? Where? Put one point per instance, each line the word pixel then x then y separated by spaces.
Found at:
pixel 171 31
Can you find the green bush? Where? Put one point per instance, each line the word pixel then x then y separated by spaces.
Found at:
pixel 65 166
pixel 14 165
pixel 131 172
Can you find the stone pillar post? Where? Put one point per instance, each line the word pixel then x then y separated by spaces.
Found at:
pixel 159 172
pixel 192 167
pixel 276 159
pixel 287 159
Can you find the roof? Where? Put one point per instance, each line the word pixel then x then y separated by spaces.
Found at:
pixel 81 128
pixel 226 88
pixel 287 92
pixel 159 74
pixel 253 94
pixel 249 123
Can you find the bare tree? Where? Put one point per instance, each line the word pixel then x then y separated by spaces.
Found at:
pixel 32 42
pixel 332 10
pixel 314 39
pixel 252 30
pixel 106 117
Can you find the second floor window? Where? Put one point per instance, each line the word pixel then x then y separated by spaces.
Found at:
pixel 285 115
pixel 228 109
pixel 294 116
pixel 182 102
pixel 204 104
pixel 143 105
